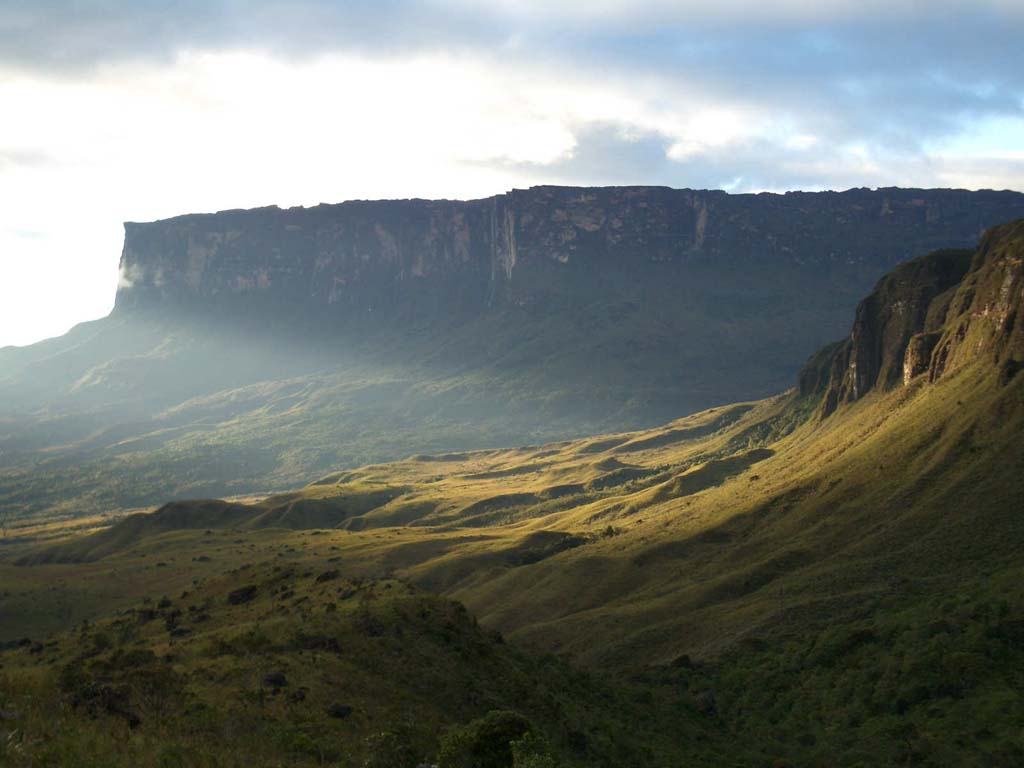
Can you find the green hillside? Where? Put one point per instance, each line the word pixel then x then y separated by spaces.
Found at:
pixel 829 577
pixel 284 665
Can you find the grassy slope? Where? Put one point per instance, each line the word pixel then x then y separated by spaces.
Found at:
pixel 244 669
pixel 799 568
pixel 710 527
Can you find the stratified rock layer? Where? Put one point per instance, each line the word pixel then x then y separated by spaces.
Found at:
pixel 535 246
pixel 932 315
pixel 986 315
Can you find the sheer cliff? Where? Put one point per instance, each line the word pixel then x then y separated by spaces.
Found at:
pixel 531 247
pixel 932 315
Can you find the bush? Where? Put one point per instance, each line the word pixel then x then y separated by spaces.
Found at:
pixel 388 750
pixel 483 743
pixel 531 751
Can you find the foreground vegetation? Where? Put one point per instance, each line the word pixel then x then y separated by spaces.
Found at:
pixel 275 665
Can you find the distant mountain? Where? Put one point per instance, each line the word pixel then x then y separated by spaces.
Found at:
pixel 254 350
pixel 541 248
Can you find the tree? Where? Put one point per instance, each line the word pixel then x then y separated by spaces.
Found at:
pixel 483 743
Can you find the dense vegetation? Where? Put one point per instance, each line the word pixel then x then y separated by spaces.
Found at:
pixel 275 665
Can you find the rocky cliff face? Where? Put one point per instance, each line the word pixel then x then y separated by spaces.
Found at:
pixel 530 246
pixel 986 314
pixel 932 315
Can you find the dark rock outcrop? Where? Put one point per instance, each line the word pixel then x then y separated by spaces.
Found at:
pixel 276 679
pixel 919 354
pixel 931 315
pixel 986 315
pixel 907 302
pixel 339 711
pixel 243 595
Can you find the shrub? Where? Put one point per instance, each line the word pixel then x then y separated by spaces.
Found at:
pixel 388 749
pixel 532 751
pixel 483 743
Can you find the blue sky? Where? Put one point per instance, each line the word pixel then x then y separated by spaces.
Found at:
pixel 118 111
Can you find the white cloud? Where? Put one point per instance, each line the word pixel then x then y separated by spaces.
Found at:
pixel 660 12
pixel 129 276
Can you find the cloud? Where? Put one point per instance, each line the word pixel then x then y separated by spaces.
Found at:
pixel 614 154
pixel 128 276
pixel 61 32
pixel 892 72
pixel 68 35
pixel 24 158
pixel 607 154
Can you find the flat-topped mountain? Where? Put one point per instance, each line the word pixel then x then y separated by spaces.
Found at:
pixel 531 247
pixel 256 350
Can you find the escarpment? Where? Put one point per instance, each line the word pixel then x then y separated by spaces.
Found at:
pixel 931 315
pixel 905 303
pixel 985 315
pixel 535 247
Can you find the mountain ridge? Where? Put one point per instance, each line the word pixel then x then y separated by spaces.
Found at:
pixel 339 254
pixel 919 317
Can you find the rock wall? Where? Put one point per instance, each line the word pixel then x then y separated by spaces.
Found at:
pixel 986 315
pixel 932 315
pixel 528 246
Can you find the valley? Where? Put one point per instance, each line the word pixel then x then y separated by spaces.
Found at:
pixel 828 576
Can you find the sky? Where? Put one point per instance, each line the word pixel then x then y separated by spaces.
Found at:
pixel 134 110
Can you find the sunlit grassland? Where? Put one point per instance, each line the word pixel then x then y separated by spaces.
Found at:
pixel 849 587
pixel 692 535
